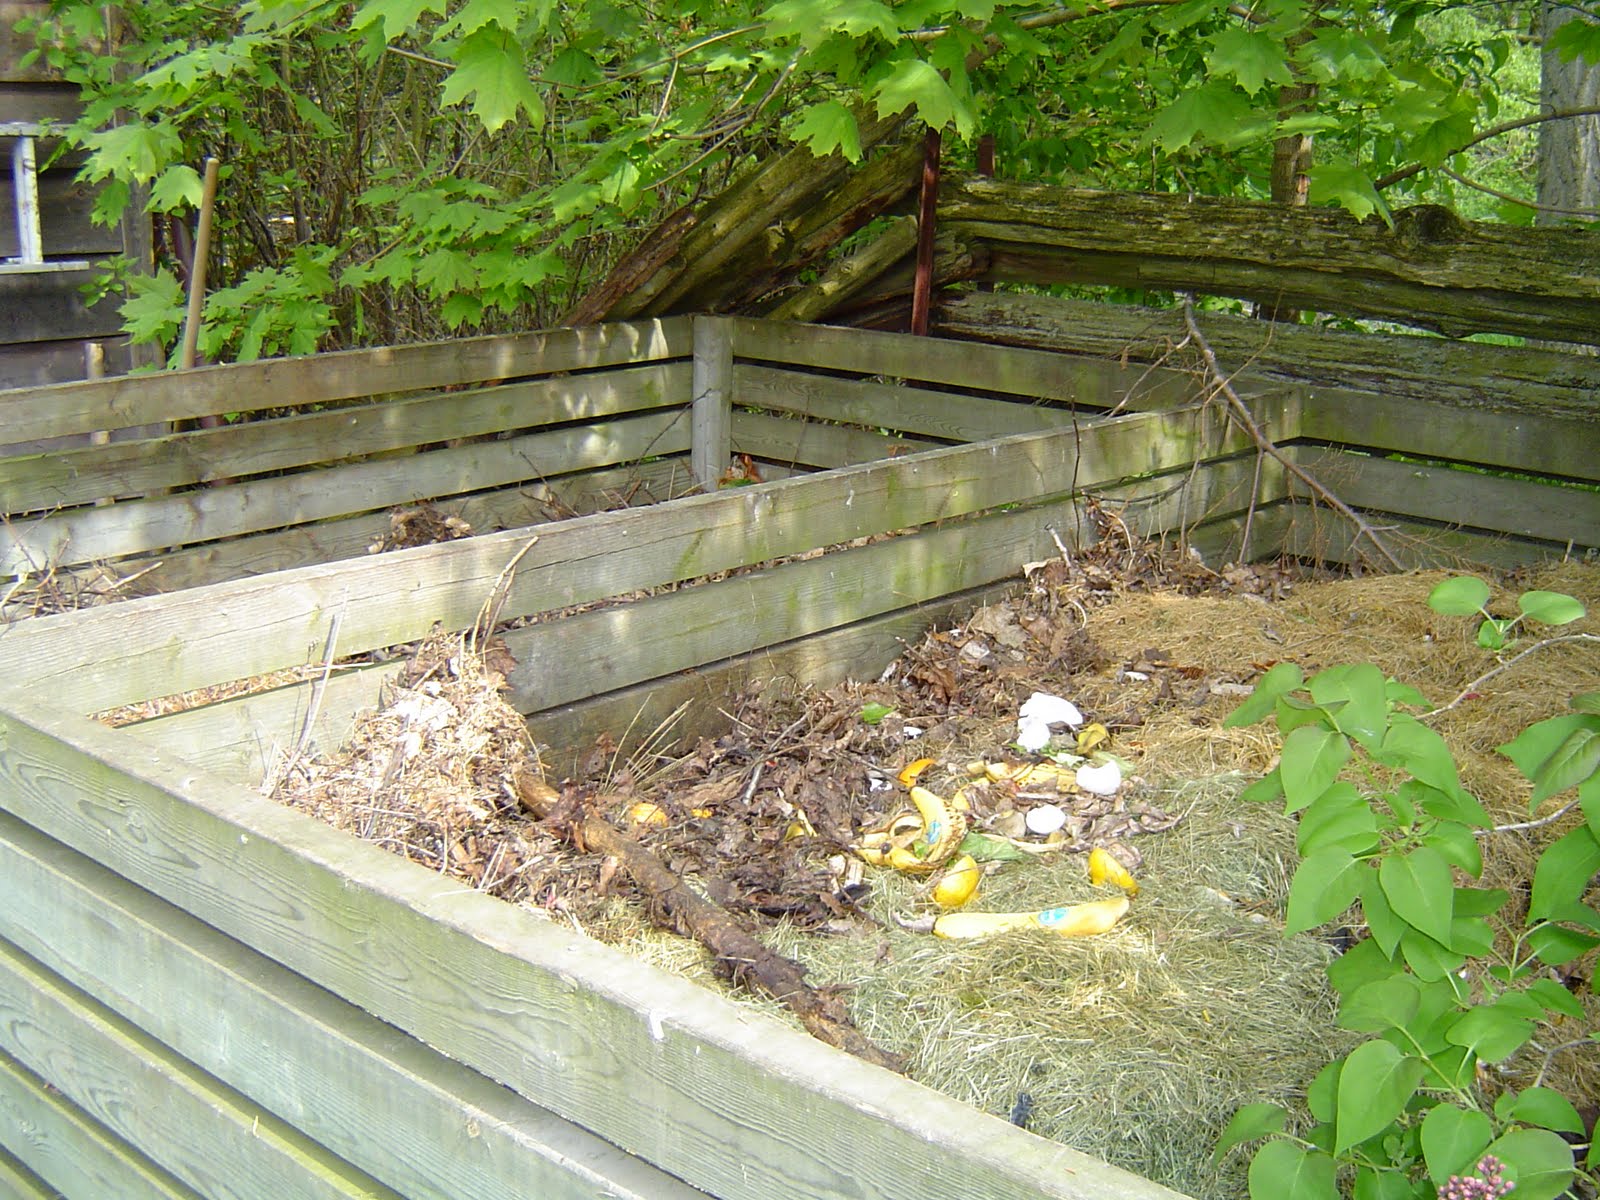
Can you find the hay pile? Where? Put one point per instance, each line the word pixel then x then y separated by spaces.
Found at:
pixel 1137 1045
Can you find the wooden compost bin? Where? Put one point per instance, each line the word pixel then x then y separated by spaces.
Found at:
pixel 204 993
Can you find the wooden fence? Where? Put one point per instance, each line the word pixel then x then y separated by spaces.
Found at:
pixel 209 994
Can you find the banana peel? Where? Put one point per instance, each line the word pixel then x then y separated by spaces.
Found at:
pixel 1075 920
pixel 959 883
pixel 918 843
pixel 1104 867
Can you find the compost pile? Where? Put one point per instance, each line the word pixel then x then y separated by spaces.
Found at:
pixel 1137 1044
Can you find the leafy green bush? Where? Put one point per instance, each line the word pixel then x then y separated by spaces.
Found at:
pixel 1443 981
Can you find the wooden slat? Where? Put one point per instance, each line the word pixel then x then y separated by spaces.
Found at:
pixel 34 364
pixel 425 1126
pixel 321 378
pixel 1321 534
pixel 140 468
pixel 127 652
pixel 729 1100
pixel 48 306
pixel 64 210
pixel 811 444
pixel 19 1183
pixel 74 1154
pixel 39 101
pixel 993 369
pixel 1510 437
pixel 327 541
pixel 713 391
pixel 1492 503
pixel 216 1141
pixel 564 663
pixel 143 526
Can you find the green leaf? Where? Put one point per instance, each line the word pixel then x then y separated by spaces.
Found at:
pixel 1539 1161
pixel 1490 1032
pixel 1573 761
pixel 1282 677
pixel 1439 139
pixel 136 150
pixel 1564 871
pixel 1364 691
pixel 1322 1097
pixel 1203 110
pixel 1386 928
pixel 1552 997
pixel 914 82
pixel 1531 748
pixel 1459 596
pixel 154 313
pixel 574 68
pixel 1453 1140
pixel 1492 634
pixel 1480 901
pixel 827 127
pixel 1552 608
pixel 1556 945
pixel 1282 1168
pixel 1457 845
pixel 1264 790
pixel 1250 1122
pixel 1348 186
pixel 1412 746
pixel 1431 960
pixel 1576 38
pixel 1254 59
pixel 1338 819
pixel 1375 1184
pixel 490 68
pixel 1399 693
pixel 1324 886
pixel 984 848
pixel 178 186
pixel 1548 1109
pixel 1421 891
pixel 1312 759
pixel 874 712
pixel 1374 1088
pixel 1382 1004
pixel 1588 702
pixel 1359 966
pixel 395 16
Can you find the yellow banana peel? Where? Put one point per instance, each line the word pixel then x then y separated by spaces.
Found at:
pixel 1092 735
pixel 1104 867
pixel 1023 774
pixel 959 883
pixel 917 843
pixel 908 775
pixel 1076 920
pixel 943 827
pixel 645 813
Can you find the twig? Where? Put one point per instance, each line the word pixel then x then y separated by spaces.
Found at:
pixel 1241 415
pixel 1537 823
pixel 270 785
pixel 1589 213
pixel 1560 114
pixel 1467 692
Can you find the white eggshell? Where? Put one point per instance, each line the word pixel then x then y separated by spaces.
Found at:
pixel 1045 819
pixel 1103 780
pixel 1052 710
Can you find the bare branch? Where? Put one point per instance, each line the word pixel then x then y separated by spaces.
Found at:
pixel 1494 131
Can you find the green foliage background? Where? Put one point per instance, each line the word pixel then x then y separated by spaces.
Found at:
pixel 402 169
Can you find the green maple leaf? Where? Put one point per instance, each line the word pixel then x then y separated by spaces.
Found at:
pixel 475 14
pixel 133 151
pixel 446 271
pixel 178 186
pixel 395 16
pixel 1439 139
pixel 811 20
pixel 1254 59
pixel 1216 109
pixel 489 67
pixel 155 310
pixel 827 127
pixel 914 82
pixel 1349 187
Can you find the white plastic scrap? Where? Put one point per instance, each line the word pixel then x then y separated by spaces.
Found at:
pixel 1038 714
pixel 1102 780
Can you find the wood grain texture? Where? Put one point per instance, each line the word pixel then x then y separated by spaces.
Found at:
pixel 46 482
pixel 727 1099
pixel 321 378
pixel 16 1181
pixel 216 1141
pixel 424 1126
pixel 137 527
pixel 35 364
pixel 1322 535
pixel 64 210
pixel 55 1141
pixel 49 306
pixel 712 390
pixel 813 445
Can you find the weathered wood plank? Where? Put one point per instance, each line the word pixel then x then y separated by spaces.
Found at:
pixel 75 1155
pixel 138 527
pixel 1496 504
pixel 131 651
pixel 36 364
pixel 815 445
pixel 1321 534
pixel 948 416
pixel 16 1181
pixel 64 210
pixel 39 101
pixel 1431 269
pixel 44 482
pixel 728 1099
pixel 418 1122
pixel 1425 368
pixel 1034 374
pixel 272 383
pixel 325 541
pixel 563 663
pixel 713 396
pixel 216 1141
pixel 48 306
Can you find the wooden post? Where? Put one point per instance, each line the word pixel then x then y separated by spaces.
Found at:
pixel 710 437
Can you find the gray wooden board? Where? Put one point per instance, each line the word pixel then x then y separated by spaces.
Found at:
pixel 39 101
pixel 1522 508
pixel 569 660
pixel 349 537
pixel 31 364
pixel 64 208
pixel 1097 383
pixel 948 416
pixel 77 1156
pixel 798 443
pixel 723 1097
pixel 16 1181
pixel 48 306
pixel 1510 437
pixel 141 526
pixel 423 1125
pixel 321 378
pixel 48 481
pixel 132 651
pixel 1323 535
pixel 713 392
pixel 216 1141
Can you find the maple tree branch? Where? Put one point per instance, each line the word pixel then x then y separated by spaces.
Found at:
pixel 1510 199
pixel 1494 131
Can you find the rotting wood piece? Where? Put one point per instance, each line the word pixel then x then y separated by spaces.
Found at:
pixel 739 954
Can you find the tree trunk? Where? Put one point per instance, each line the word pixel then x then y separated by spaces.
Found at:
pixel 1569 150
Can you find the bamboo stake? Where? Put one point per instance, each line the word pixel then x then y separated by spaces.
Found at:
pixel 197 276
